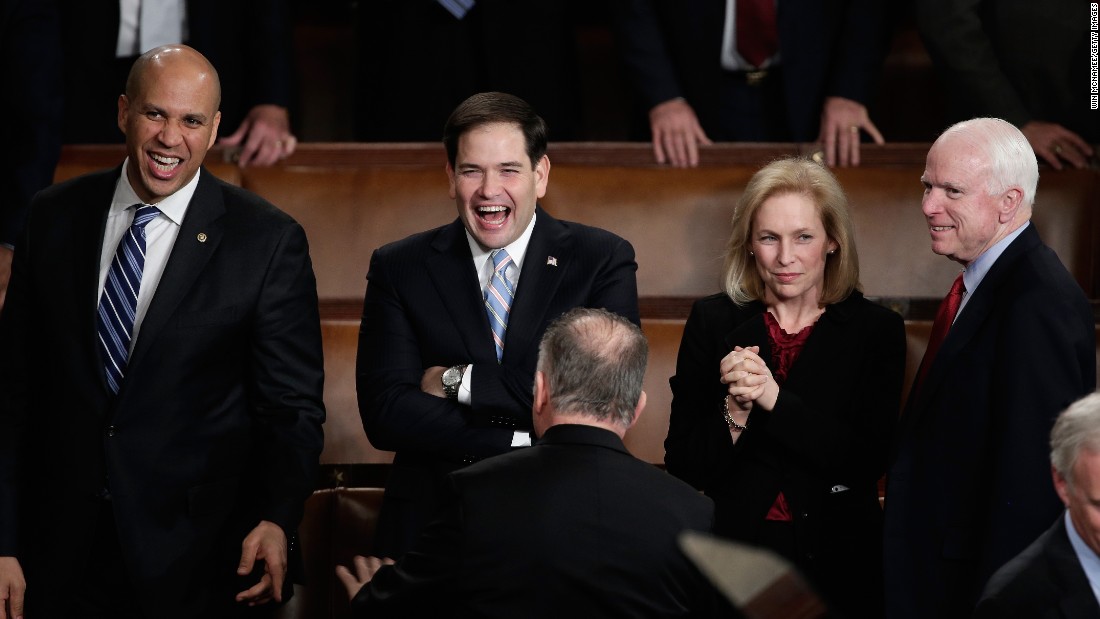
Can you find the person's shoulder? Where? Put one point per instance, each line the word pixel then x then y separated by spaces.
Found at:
pixel 719 308
pixel 585 235
pixel 1030 265
pixel 1037 282
pixel 80 185
pixel 242 203
pixel 415 244
pixel 1026 579
pixel 864 310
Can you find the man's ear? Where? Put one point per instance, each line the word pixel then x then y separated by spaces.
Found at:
pixel 123 112
pixel 1010 202
pixel 1061 485
pixel 451 189
pixel 541 396
pixel 638 409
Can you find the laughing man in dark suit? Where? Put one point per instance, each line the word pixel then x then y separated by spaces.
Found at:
pixel 157 467
pixel 439 380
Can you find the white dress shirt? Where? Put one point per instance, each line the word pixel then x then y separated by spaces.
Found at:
pixel 160 236
pixel 517 249
pixel 145 24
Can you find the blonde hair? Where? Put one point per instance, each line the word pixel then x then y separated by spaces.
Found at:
pixel 801 176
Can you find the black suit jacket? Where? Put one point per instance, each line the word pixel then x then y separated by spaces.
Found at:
pixel 1045 581
pixel 424 307
pixel 672 48
pixel 217 424
pixel 830 427
pixel 969 487
pixel 976 47
pixel 247 41
pixel 572 527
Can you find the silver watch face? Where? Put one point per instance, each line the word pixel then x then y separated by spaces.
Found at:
pixel 452 376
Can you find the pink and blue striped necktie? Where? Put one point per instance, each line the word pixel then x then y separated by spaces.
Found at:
pixel 498 298
pixel 458 8
pixel 118 304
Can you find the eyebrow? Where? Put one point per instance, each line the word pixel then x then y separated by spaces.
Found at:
pixel 503 164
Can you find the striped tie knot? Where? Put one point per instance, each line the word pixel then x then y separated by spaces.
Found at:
pixel 498 299
pixel 458 8
pixel 118 303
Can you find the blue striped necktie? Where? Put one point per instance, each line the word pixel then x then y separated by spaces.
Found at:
pixel 458 8
pixel 498 298
pixel 118 305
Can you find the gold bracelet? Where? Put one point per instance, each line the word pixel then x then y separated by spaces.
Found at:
pixel 736 427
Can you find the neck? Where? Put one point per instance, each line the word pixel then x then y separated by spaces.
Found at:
pixel 585 420
pixel 793 316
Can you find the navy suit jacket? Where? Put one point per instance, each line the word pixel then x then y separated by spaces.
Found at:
pixel 970 487
pixel 672 48
pixel 424 307
pixel 1045 581
pixel 217 424
pixel 572 527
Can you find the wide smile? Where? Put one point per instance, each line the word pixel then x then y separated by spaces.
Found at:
pixel 163 167
pixel 937 229
pixel 493 216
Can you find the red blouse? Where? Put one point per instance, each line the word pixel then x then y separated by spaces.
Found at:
pixel 785 350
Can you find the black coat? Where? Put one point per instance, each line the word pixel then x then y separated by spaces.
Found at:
pixel 572 527
pixel 1045 581
pixel 969 486
pixel 830 428
pixel 216 426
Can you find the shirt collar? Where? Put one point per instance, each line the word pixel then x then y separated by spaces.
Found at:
pixel 517 249
pixel 975 272
pixel 1085 555
pixel 174 207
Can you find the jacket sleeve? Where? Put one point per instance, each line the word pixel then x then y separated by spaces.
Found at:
pixel 698 437
pixel 396 414
pixel 287 379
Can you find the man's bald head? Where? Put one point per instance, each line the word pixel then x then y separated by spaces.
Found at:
pixel 177 57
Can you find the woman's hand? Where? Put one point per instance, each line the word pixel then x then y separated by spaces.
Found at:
pixel 749 379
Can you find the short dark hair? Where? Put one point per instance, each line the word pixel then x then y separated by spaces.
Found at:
pixel 594 363
pixel 495 107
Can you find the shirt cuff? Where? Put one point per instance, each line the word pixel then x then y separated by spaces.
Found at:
pixel 464 394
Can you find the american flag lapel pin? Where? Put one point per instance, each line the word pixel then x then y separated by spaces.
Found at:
pixel 551 261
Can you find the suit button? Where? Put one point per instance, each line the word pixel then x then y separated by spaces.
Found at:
pixel 110 431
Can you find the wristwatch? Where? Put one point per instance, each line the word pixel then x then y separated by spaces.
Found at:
pixel 452 378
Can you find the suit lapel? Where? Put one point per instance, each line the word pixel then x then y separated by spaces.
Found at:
pixel 548 259
pixel 452 272
pixel 87 250
pixel 1077 601
pixel 977 310
pixel 824 342
pixel 185 263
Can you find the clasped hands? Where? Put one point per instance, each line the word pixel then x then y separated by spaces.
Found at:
pixel 750 382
